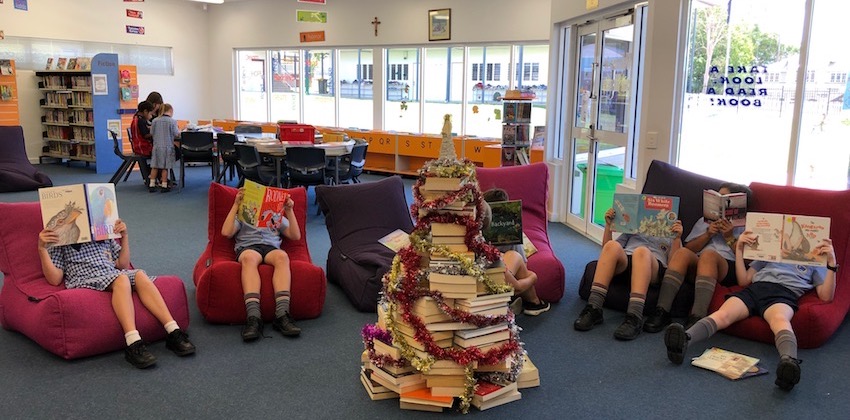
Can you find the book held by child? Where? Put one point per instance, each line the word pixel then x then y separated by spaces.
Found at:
pixel 786 238
pixel 505 223
pixel 262 206
pixel 646 214
pixel 732 207
pixel 80 213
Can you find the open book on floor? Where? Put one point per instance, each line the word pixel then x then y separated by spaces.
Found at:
pixel 729 364
pixel 80 213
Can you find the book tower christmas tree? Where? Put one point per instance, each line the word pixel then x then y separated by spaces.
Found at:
pixel 444 325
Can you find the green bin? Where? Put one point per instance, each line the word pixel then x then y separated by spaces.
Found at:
pixel 608 176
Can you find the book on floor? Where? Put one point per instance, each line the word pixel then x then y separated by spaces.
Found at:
pixel 645 214
pixel 505 226
pixel 486 391
pixel 80 213
pixel 424 396
pixel 729 364
pixel 786 238
pixel 395 240
pixel 732 207
pixel 262 206
pixel 495 402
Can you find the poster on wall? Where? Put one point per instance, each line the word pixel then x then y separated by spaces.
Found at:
pixel 21 5
pixel 99 84
pixel 313 16
pixel 135 30
pixel 136 14
pixel 114 125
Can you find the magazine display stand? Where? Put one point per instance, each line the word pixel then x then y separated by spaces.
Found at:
pixel 8 94
pixel 76 109
pixel 516 131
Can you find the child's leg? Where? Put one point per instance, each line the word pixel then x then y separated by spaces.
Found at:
pixel 122 304
pixel 778 316
pixel 682 261
pixel 644 270
pixel 676 339
pixel 710 269
pixel 250 261
pixel 282 280
pixel 153 176
pixel 153 301
pixel 612 261
pixel 518 276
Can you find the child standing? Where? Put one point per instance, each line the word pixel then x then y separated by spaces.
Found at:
pixel 140 127
pixel 165 138
pixel 772 293
pixel 105 266
pixel 645 257
pixel 255 246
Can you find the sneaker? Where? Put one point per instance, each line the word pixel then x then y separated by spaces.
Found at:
pixel 788 373
pixel 285 325
pixel 692 319
pixel 178 342
pixel 630 328
pixel 534 309
pixel 138 355
pixel 657 321
pixel 588 318
pixel 676 340
pixel 516 305
pixel 253 329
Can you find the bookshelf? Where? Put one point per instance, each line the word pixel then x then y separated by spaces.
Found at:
pixel 77 107
pixel 516 131
pixel 8 94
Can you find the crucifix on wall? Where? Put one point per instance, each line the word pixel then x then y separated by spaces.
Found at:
pixel 376 22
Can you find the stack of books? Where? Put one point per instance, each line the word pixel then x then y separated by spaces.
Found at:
pixel 489 395
pixel 455 286
pixel 424 400
pixel 529 377
pixel 374 389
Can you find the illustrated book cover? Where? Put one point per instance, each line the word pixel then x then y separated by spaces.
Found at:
pixel 262 206
pixel 80 213
pixel 505 223
pixel 395 240
pixel 786 238
pixel 646 214
pixel 729 364
pixel 732 207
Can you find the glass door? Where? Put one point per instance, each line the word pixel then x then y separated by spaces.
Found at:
pixel 602 128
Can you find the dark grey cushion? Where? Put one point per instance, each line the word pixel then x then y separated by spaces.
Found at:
pixel 16 171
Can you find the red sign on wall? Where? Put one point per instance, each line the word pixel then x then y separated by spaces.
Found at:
pixel 134 13
pixel 314 36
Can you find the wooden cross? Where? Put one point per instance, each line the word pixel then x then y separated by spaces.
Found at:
pixel 376 22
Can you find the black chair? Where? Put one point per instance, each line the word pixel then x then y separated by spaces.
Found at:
pixel 306 166
pixel 197 146
pixel 350 165
pixel 249 167
pixel 227 150
pixel 128 162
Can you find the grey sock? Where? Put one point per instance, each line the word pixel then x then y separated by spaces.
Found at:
pixel 703 291
pixel 281 303
pixel 670 285
pixel 597 295
pixel 252 305
pixel 636 303
pixel 786 343
pixel 703 329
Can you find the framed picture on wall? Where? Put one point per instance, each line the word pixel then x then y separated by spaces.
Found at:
pixel 440 25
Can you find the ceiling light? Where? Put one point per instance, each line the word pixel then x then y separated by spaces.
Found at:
pixel 210 1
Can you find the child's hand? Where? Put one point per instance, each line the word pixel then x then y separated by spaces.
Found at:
pixel 713 228
pixel 725 227
pixel 239 194
pixel 47 237
pixel 677 229
pixel 120 228
pixel 825 248
pixel 746 238
pixel 609 216
pixel 289 204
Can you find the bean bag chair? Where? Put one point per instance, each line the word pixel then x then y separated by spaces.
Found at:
pixel 16 171
pixel 357 215
pixel 70 323
pixel 530 183
pixel 217 274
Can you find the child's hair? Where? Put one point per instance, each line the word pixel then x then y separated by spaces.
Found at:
pixel 145 106
pixel 154 98
pixel 738 188
pixel 495 194
pixel 167 109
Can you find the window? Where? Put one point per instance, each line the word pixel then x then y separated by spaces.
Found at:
pixel 252 85
pixel 364 72
pixel 286 85
pixel 838 78
pixel 493 73
pixel 355 89
pixel 530 72
pixel 402 106
pixel 398 72
pixel 810 76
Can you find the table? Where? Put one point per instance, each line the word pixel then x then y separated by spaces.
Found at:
pixel 277 151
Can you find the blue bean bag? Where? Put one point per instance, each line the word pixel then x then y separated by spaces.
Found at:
pixel 16 171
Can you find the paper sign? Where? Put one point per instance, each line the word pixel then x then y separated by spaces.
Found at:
pixel 137 14
pixel 99 84
pixel 314 36
pixel 137 30
pixel 21 5
pixel 114 125
pixel 313 16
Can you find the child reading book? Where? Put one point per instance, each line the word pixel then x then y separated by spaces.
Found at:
pixel 772 292
pixel 105 266
pixel 261 245
pixel 641 257
pixel 709 249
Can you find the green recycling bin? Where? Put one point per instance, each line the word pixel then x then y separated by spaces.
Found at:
pixel 608 176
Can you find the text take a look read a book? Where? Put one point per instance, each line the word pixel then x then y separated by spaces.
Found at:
pixel 80 213
pixel 646 214
pixel 732 207
pixel 262 206
pixel 786 238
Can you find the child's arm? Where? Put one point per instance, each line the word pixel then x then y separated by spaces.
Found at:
pixel 744 275
pixel 123 261
pixel 293 231
pixel 698 243
pixel 609 220
pixel 677 240
pixel 228 229
pixel 826 290
pixel 53 274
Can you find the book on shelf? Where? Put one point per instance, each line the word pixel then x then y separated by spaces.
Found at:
pixel 49 64
pixel 505 226
pixel 80 213
pixel 433 183
pixel 83 63
pixel 732 207
pixel 6 68
pixel 395 240
pixel 486 391
pixel 262 206
pixel 516 112
pixel 786 238
pixel 61 63
pixel 645 214
pixel 729 364
pixel 72 64
pixel 539 136
pixel 495 402
pixel 509 135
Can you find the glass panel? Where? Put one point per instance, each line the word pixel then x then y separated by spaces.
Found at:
pixel 615 80
pixel 532 64
pixel 443 88
pixel 488 81
pixel 319 103
pixel 286 85
pixel 610 161
pixel 355 89
pixel 401 112
pixel 584 102
pixel 252 89
pixel 739 92
pixel 823 155
pixel 578 201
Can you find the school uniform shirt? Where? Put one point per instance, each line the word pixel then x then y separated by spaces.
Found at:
pixel 90 265
pixel 247 235
pixel 797 278
pixel 657 245
pixel 140 127
pixel 165 131
pixel 717 242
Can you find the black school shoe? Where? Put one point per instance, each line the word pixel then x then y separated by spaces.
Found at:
pixel 676 340
pixel 630 328
pixel 253 329
pixel 534 309
pixel 787 373
pixel 285 325
pixel 588 318
pixel 138 355
pixel 657 321
pixel 178 342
